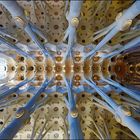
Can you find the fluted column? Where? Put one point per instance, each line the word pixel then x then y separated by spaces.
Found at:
pixel 73 18
pixel 14 47
pixel 23 115
pixel 74 123
pixel 124 89
pixel 133 43
pixel 123 22
pixel 14 89
pixel 22 22
pixel 122 114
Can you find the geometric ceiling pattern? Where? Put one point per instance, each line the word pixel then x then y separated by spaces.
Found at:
pixel 69 69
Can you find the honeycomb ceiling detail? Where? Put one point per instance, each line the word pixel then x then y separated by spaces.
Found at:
pixel 69 69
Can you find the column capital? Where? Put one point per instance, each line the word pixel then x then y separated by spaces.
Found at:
pixel 74 113
pixel 74 21
pixel 20 22
pixel 20 112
